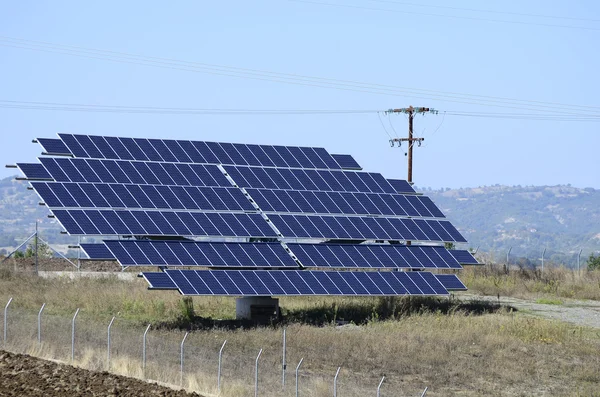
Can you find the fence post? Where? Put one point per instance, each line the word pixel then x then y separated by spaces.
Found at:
pixel 181 360
pixel 219 372
pixel 144 352
pixel 543 253
pixel 424 392
pixel 40 324
pixel 73 335
pixel 335 378
pixel 379 387
pixel 283 364
pixel 6 318
pixel 108 344
pixel 298 369
pixel 256 374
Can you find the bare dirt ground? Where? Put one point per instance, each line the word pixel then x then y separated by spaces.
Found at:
pixel 577 312
pixel 59 264
pixel 22 375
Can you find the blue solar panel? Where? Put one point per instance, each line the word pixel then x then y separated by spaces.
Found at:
pixel 293 282
pixel 46 194
pixel 54 169
pixel 34 171
pixel 340 227
pixel 53 146
pixel 451 282
pixel 373 256
pixel 346 161
pixel 401 186
pixel 103 147
pixel 73 146
pixel 96 251
pixel 464 257
pixel 159 280
pixel 167 223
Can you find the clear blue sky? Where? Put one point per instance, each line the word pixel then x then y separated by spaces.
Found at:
pixel 370 43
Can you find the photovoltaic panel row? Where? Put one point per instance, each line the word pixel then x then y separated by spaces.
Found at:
pixel 34 171
pixel 373 256
pixel 365 228
pixel 54 146
pixel 301 282
pixel 346 161
pixel 163 281
pixel 135 172
pixel 193 253
pixel 103 195
pixel 162 223
pixel 97 252
pixel 347 203
pixel 84 146
pixel 464 257
pixel 451 282
pixel 306 179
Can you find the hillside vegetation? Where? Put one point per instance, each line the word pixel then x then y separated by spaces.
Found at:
pixel 563 219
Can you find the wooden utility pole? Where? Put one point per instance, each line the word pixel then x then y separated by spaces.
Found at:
pixel 410 111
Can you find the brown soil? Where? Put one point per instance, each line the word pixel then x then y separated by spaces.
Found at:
pixel 22 375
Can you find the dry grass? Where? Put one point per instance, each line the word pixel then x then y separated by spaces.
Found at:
pixel 453 352
pixel 554 282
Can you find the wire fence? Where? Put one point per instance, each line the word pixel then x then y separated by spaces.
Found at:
pixel 197 361
pixel 536 257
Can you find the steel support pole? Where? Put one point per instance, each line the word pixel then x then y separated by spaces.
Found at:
pixel 181 352
pixel 36 247
pixel 256 373
pixel 283 363
pixel 424 392
pixel 108 343
pixel 73 335
pixel 6 319
pixel 379 387
pixel 40 324
pixel 335 378
pixel 579 262
pixel 219 371
pixel 507 257
pixel 298 369
pixel 144 352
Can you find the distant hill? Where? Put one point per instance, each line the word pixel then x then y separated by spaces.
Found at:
pixel 563 219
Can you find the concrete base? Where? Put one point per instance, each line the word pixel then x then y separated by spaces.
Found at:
pixel 257 308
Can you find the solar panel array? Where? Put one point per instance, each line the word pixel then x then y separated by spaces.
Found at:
pixel 263 219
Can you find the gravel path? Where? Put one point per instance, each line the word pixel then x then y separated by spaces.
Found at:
pixel 583 313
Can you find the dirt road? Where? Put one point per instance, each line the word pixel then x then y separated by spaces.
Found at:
pixel 577 312
pixel 22 375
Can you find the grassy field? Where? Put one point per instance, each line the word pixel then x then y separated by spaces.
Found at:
pixel 451 347
pixel 554 282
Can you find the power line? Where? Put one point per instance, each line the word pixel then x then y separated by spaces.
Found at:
pixel 72 107
pixel 96 108
pixel 486 11
pixel 346 85
pixel 547 25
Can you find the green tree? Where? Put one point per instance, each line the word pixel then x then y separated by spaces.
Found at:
pixel 44 251
pixel 593 262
